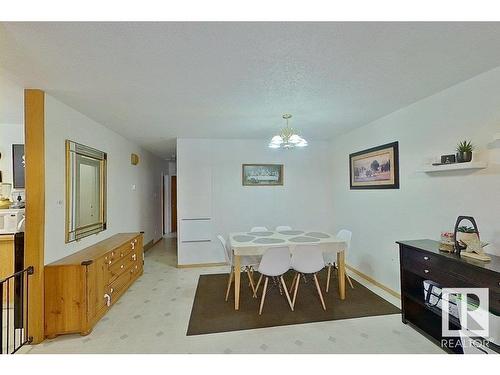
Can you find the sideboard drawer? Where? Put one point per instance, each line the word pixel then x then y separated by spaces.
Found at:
pixel 117 268
pixel 121 252
pixel 481 278
pixel 412 256
pixel 435 266
pixel 436 274
pixel 118 285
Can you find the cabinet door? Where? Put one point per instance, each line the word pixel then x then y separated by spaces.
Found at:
pixel 7 264
pixel 97 281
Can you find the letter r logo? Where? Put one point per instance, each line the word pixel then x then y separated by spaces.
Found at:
pixel 470 306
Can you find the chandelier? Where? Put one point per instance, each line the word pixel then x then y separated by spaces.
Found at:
pixel 287 137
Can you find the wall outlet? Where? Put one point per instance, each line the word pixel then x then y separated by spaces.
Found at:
pixel 134 188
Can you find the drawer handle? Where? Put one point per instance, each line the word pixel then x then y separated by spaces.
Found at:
pixel 112 253
pixel 107 297
pixel 135 240
pixel 121 255
pixel 426 258
pixel 426 271
pixel 109 262
pixel 121 267
pixel 134 257
pixel 131 271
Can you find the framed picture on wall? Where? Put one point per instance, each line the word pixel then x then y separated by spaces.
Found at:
pixel 262 174
pixel 375 168
pixel 18 166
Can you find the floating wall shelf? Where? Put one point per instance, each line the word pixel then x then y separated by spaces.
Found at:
pixel 454 167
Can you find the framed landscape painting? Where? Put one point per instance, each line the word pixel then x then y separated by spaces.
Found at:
pixel 262 174
pixel 375 168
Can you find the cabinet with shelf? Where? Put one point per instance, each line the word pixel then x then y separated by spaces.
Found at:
pixel 421 261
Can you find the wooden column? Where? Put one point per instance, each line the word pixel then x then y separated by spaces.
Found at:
pixel 34 129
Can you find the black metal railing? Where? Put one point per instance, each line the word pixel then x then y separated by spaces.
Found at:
pixel 14 306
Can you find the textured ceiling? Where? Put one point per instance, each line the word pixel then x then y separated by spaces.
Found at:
pixel 153 82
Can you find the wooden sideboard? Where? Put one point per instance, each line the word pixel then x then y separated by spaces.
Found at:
pixel 81 288
pixel 421 260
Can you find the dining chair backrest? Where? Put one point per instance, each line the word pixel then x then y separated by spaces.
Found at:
pixel 275 261
pixel 307 258
pixel 345 235
pixel 227 252
pixel 280 228
pixel 258 229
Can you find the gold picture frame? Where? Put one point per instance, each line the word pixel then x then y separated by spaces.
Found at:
pixel 93 199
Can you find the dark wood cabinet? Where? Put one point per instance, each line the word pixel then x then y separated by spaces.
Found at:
pixel 421 260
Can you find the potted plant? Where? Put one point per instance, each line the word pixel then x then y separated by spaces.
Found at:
pixel 464 151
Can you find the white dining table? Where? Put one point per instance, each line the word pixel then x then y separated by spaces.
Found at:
pixel 256 243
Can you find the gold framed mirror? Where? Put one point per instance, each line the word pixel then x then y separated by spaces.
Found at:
pixel 85 191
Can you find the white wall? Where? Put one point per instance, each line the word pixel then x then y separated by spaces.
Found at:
pixel 209 184
pixel 11 122
pixel 128 210
pixel 425 204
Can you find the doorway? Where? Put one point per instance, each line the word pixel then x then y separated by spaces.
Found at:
pixel 173 204
pixel 163 206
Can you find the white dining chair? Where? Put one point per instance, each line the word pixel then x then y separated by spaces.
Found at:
pixel 275 262
pixel 280 228
pixel 247 264
pixel 258 229
pixel 307 260
pixel 330 258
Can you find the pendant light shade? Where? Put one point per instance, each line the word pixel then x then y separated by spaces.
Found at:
pixel 288 137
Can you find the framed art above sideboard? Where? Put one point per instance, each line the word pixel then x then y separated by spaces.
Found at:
pixel 375 168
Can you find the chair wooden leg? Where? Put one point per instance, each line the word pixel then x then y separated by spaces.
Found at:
pixel 319 291
pixel 286 292
pixel 250 279
pixel 328 278
pixel 263 296
pixel 293 282
pixel 257 287
pixel 296 289
pixel 229 282
pixel 349 279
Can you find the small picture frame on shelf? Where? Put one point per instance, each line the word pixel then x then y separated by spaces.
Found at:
pixel 448 159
